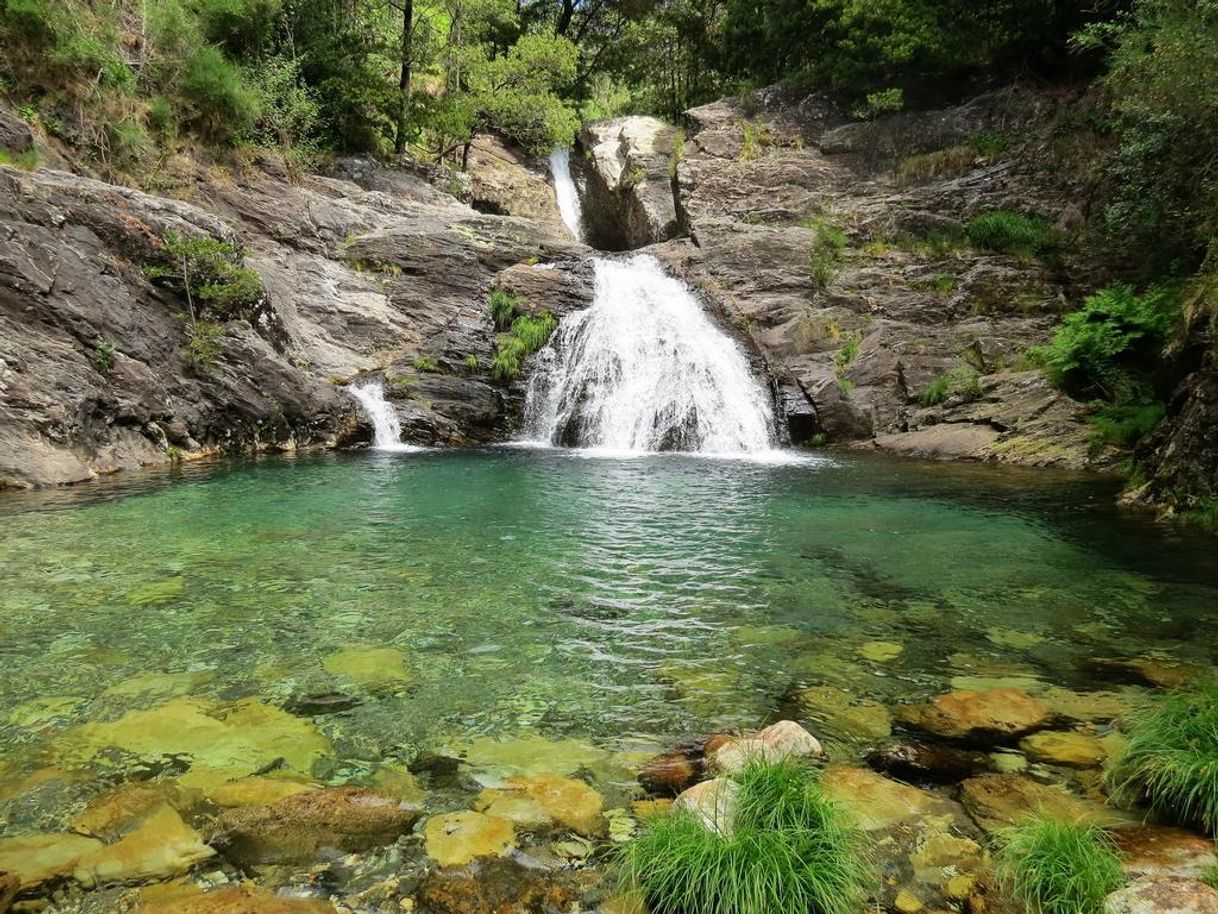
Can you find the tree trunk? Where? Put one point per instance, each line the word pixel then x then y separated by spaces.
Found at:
pixel 564 17
pixel 399 140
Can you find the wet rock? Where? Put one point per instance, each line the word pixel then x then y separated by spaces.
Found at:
pixel 456 838
pixel 237 900
pixel 10 885
pixel 532 755
pixel 993 715
pixel 713 802
pixel 1151 850
pixel 880 651
pixel 784 739
pixel 375 669
pixel 1089 707
pixel 940 855
pixel 322 703
pixel 843 715
pixel 1152 895
pixel 255 792
pixel 998 800
pixel 878 802
pixel 936 764
pixel 111 814
pixel 162 845
pixel 670 773
pixel 297 828
pixel 492 884
pixel 629 200
pixel 500 182
pixel 1160 672
pixel 513 804
pixel 39 858
pixel 1058 747
pixel 570 803
pixel 221 741
pixel 647 809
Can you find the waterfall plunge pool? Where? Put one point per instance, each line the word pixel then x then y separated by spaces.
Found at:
pixel 471 602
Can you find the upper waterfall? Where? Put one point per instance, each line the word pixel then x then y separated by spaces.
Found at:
pixel 645 369
pixel 567 193
pixel 386 427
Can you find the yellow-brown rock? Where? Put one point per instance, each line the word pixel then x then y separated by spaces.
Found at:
pixel 457 838
pixel 162 845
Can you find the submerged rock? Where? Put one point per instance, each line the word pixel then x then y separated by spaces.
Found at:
pixel 1058 747
pixel 878 802
pixel 993 715
pixel 939 764
pixel 493 884
pixel 532 755
pixel 255 792
pixel 297 828
pixel 1151 850
pixel 39 858
pixel 670 773
pixel 456 838
pixel 570 803
pixel 237 900
pixel 844 715
pixel 162 845
pixel 1154 895
pixel 111 814
pixel 998 800
pixel 374 669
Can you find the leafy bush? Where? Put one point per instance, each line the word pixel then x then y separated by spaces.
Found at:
pixel 210 274
pixel 1125 424
pixel 1171 759
pixel 203 345
pixel 1101 349
pixel 103 357
pixel 527 335
pixel 1008 232
pixel 789 850
pixel 877 103
pixel 221 103
pixel 1060 867
pixel 961 381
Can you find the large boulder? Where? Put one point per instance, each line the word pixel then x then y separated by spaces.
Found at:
pixel 628 200
pixel 501 182
pixel 992 715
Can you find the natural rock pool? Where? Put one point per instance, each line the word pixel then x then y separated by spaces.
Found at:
pixel 332 618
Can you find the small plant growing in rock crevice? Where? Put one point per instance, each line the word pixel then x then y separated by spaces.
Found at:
pixel 961 381
pixel 1057 867
pixel 788 848
pixel 1008 232
pixel 425 364
pixel 504 307
pixel 828 242
pixel 526 336
pixel 1171 759
pixel 103 357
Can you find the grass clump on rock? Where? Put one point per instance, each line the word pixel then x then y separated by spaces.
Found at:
pixel 787 848
pixel 1171 760
pixel 1008 232
pixel 1056 867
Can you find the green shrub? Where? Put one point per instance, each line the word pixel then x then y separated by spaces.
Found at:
pixel 846 355
pixel 103 357
pixel 1008 232
pixel 1125 424
pixel 1060 867
pixel 876 103
pixel 1210 877
pixel 504 307
pixel 26 161
pixel 527 335
pixel 425 364
pixel 471 362
pixel 789 849
pixel 203 345
pixel 1203 513
pixel 961 381
pixel 1171 759
pixel 210 274
pixel 1101 349
pixel 221 103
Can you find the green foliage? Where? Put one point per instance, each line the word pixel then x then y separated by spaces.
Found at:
pixel 26 161
pixel 103 357
pixel 1203 513
pixel 470 362
pixel 203 345
pixel 287 109
pixel 1171 759
pixel 1103 348
pixel 57 32
pixel 962 382
pixel 1056 867
pixel 1008 232
pixel 829 240
pixel 526 336
pixel 1125 424
pixel 210 274
pixel 1210 877
pixel 845 356
pixel 504 307
pixel 789 849
pixel 425 364
pixel 754 139
pixel 877 103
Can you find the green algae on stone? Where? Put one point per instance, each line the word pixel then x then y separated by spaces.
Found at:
pixel 881 651
pixel 375 669
pixel 531 755
pixel 157 593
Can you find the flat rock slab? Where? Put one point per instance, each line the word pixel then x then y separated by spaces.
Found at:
pixel 1151 850
pixel 998 800
pixel 993 715
pixel 1163 896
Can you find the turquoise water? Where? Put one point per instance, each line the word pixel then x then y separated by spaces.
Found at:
pixel 623 602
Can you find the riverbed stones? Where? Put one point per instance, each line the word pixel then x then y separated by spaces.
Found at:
pixel 532 755
pixel 222 741
pixel 880 651
pixel 295 829
pixel 1151 850
pixel 784 739
pixel 670 773
pixel 844 715
pixel 1061 747
pixel 993 715
pixel 877 802
pixel 236 900
pixel 456 838
pixel 998 800
pixel 255 791
pixel 38 858
pixel 938 763
pixel 112 813
pixel 374 669
pixel 162 845
pixel 495 885
pixel 1156 895
pixel 713 802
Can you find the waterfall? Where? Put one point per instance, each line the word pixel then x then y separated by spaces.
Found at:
pixel 645 369
pixel 566 192
pixel 386 428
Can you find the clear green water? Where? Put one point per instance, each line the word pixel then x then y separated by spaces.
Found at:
pixel 621 601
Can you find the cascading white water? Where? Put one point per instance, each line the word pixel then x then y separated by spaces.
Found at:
pixel 386 427
pixel 567 193
pixel 645 369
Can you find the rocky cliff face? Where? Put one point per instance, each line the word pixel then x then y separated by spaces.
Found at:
pixel 369 273
pixel 838 248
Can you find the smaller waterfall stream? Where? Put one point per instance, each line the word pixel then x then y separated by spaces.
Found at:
pixel 567 193
pixel 386 427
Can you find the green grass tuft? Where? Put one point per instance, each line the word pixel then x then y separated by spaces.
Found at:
pixel 961 381
pixel 1125 424
pixel 527 335
pixel 504 307
pixel 1008 232
pixel 1171 760
pixel 1060 867
pixel 790 850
